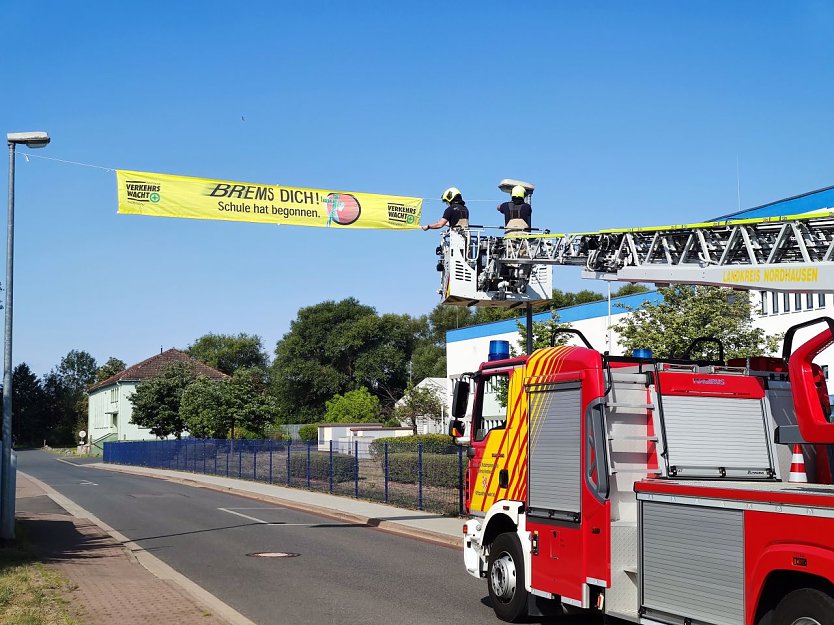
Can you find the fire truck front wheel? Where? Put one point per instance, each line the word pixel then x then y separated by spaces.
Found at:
pixel 505 577
pixel 806 606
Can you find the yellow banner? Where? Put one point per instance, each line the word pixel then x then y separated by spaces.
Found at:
pixel 163 195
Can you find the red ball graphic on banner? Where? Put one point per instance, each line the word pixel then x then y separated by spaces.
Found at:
pixel 342 208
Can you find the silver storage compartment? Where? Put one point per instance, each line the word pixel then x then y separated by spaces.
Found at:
pixel 692 563
pixel 555 450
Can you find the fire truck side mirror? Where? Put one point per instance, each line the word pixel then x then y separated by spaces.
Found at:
pixel 457 428
pixel 460 399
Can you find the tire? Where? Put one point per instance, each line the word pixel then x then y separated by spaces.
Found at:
pixel 806 606
pixel 505 578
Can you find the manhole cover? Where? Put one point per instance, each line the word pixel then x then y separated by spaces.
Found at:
pixel 273 554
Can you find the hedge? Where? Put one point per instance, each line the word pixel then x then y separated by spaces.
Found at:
pixel 438 470
pixel 432 444
pixel 343 466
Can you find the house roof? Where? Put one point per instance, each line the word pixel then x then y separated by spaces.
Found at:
pixel 796 205
pixel 153 366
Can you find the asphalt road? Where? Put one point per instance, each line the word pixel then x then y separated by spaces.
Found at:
pixel 343 573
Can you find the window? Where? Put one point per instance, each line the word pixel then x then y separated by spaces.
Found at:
pixel 821 300
pixel 797 301
pixel 114 420
pixel 809 301
pixel 775 300
pixel 491 402
pixel 764 303
pixel 825 371
pixel 114 395
pixel 786 297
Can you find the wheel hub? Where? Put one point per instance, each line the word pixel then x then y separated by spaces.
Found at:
pixel 502 578
pixel 806 620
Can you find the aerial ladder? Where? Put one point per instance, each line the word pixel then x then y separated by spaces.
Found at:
pixel 786 253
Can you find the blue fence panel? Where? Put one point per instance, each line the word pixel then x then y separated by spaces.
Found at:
pixel 409 475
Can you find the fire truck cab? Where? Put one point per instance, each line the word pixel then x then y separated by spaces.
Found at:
pixel 651 490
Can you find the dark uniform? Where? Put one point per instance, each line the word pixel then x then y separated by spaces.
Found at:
pixel 517 216
pixel 457 214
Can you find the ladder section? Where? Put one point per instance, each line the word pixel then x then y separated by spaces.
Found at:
pixel 791 253
pixel 632 437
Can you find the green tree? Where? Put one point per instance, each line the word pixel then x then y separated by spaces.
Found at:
pixel 542 333
pixel 66 396
pixel 206 408
pixel 29 407
pixel 358 406
pixel 668 327
pixel 419 402
pixel 630 289
pixel 563 299
pixel 228 353
pixel 336 347
pixel 309 432
pixel 156 402
pixel 253 407
pixel 110 368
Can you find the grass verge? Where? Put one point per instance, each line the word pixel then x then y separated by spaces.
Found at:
pixel 31 593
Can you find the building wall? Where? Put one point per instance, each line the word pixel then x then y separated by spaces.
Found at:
pixel 110 412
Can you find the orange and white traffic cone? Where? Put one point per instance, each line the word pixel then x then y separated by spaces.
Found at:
pixel 798 466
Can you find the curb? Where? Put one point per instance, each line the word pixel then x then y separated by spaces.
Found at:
pixel 392 527
pixel 150 562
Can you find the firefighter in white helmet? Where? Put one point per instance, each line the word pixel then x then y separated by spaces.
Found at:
pixel 517 213
pixel 456 214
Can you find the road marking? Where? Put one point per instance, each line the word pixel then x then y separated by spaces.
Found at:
pixel 262 522
pixel 70 463
pixel 246 516
pixel 87 483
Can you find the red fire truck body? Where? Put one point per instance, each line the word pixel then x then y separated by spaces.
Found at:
pixel 652 490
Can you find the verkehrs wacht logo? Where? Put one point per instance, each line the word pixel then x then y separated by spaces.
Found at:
pixel 141 191
pixel 342 208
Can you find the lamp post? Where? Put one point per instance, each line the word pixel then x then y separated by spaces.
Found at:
pixel 30 140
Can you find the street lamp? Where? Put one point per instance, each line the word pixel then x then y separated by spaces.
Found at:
pixel 7 482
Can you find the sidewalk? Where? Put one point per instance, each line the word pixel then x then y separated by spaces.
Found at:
pixel 112 580
pixel 435 528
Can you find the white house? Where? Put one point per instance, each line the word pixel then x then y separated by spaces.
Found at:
pixel 427 425
pixel 109 412
pixel 355 438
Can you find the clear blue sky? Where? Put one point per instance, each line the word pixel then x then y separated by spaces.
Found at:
pixel 621 113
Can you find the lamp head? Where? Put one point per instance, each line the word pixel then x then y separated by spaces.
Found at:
pixel 29 139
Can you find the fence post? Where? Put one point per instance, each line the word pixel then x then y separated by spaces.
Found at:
pixel 289 463
pixel 308 463
pixel 214 442
pixel 385 447
pixel 331 465
pixel 228 453
pixel 195 455
pixel 460 480
pixel 255 464
pixel 240 461
pixel 419 476
pixel 204 456
pixel 270 464
pixel 177 454
pixel 356 469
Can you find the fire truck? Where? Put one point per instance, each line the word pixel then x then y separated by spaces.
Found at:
pixel 645 488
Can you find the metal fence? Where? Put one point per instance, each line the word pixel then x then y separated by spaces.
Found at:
pixel 425 477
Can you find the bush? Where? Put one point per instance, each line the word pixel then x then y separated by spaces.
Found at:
pixel 343 466
pixel 432 444
pixel 309 432
pixel 438 470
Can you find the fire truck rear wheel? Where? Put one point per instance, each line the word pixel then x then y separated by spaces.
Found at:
pixel 806 606
pixel 505 578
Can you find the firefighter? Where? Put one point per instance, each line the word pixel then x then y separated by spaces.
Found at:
pixel 456 214
pixel 517 213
